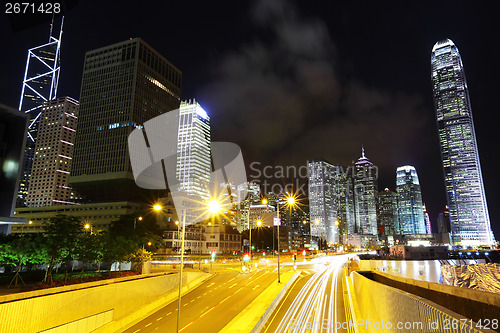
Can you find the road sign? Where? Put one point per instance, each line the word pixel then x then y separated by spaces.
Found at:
pixel 276 221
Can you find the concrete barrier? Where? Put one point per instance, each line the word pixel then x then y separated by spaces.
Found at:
pixel 105 305
pixel 474 304
pixel 265 317
pixel 380 308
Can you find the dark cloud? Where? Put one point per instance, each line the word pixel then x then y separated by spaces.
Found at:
pixel 281 97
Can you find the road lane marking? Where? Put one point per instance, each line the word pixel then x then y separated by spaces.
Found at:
pixel 198 297
pixel 148 324
pixel 185 304
pixel 233 306
pixel 192 301
pixel 211 284
pixel 137 330
pixel 283 300
pixel 233 285
pixel 225 299
pixel 169 313
pixel 231 280
pixel 204 313
pixel 159 319
pixel 257 286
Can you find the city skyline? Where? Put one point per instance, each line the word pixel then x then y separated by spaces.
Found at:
pixel 369 120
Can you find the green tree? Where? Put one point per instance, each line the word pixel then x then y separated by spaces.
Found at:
pixel 89 248
pixel 118 248
pixel 16 251
pixel 39 254
pixel 139 257
pixel 62 233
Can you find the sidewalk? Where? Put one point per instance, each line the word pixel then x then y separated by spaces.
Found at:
pixel 250 316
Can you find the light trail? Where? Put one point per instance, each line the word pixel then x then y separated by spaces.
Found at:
pixel 314 304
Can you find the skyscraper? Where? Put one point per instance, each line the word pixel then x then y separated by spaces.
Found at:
pixel 53 154
pixel 193 150
pixel 470 222
pixel 387 212
pixel 428 228
pixel 323 181
pixel 365 187
pixel 410 207
pixel 123 85
pixel 40 82
pixel 443 221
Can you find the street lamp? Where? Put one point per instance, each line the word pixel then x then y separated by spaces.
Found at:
pixel 178 231
pixel 290 201
pixel 88 226
pixel 135 220
pixel 22 227
pixel 250 233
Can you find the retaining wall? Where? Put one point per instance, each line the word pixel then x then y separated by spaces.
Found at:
pixel 380 308
pixel 88 306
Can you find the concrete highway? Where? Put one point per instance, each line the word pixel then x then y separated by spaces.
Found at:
pixel 213 304
pixel 315 302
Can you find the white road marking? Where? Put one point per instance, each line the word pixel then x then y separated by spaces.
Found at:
pixel 159 319
pixel 148 324
pixel 204 313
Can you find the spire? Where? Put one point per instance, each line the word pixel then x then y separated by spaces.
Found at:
pixel 363 151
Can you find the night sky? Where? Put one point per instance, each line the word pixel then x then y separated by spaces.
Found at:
pixel 292 81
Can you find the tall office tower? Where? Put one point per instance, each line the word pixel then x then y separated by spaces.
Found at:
pixel 365 187
pixel 428 228
pixel 410 207
pixel 323 181
pixel 53 154
pixel 470 222
pixel 41 78
pixel 443 221
pixel 347 211
pixel 123 85
pixel 387 212
pixel 193 150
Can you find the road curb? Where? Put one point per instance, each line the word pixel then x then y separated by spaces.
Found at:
pixel 265 317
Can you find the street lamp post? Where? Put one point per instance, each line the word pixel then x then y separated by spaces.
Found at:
pixel 250 232
pixel 278 222
pixel 135 220
pixel 201 246
pixel 178 232
pixel 182 264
